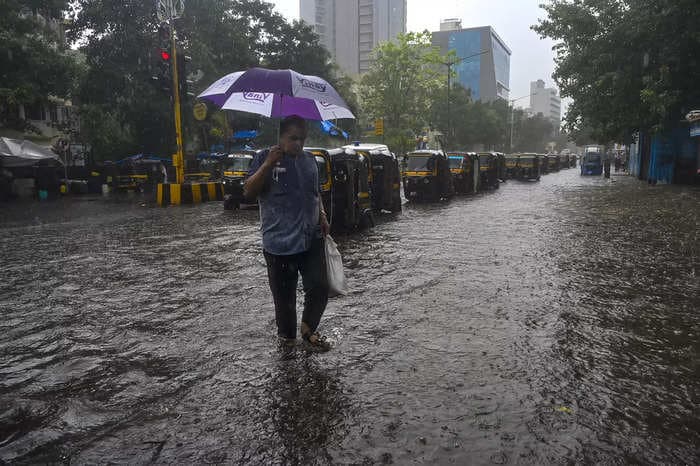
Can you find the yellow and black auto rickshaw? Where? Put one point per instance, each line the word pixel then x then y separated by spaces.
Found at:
pixel 384 176
pixel 510 166
pixel 350 191
pixel 465 171
pixel 553 163
pixel 234 170
pixel 489 168
pixel 528 167
pixel 564 161
pixel 325 177
pixel 428 176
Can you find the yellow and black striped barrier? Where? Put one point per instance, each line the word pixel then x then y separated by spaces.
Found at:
pixel 189 193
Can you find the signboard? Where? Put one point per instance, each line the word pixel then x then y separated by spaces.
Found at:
pixel 695 129
pixel 379 127
pixel 200 111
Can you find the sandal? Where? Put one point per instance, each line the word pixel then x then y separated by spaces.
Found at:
pixel 316 341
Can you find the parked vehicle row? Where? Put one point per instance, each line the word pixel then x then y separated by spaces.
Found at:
pixel 361 180
pixel 427 177
pixel 356 182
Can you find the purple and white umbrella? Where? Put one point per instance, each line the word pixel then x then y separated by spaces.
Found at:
pixel 277 94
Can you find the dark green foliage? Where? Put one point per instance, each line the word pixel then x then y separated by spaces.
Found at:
pixel 627 64
pixel 531 134
pixel 121 46
pixel 401 85
pixel 34 62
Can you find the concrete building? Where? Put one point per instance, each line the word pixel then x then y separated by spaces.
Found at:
pixel 487 75
pixel 545 101
pixel 350 29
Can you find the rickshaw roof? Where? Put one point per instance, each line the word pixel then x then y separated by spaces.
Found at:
pixel 243 154
pixel 460 153
pixel 333 151
pixel 373 149
pixel 367 146
pixel 426 152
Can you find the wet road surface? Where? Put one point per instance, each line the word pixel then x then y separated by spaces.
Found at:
pixel 549 322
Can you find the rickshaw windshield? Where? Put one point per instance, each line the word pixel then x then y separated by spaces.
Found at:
pixel 418 163
pixel 237 164
pixel 322 173
pixel 456 162
pixel 593 157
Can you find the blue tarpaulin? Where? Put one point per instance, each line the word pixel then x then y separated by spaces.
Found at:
pixel 329 128
pixel 247 134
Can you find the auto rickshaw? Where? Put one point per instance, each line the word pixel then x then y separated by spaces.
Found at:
pixel 501 165
pixel 325 177
pixel 465 171
pixel 352 203
pixel 564 161
pixel 528 167
pixel 234 171
pixel 138 173
pixel 428 176
pixel 489 170
pixel 544 163
pixel 511 166
pixel 553 162
pixel 384 176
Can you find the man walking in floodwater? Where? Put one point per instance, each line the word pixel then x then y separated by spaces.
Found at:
pixel 293 221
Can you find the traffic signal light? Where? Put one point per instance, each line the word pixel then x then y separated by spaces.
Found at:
pixel 183 82
pixel 163 72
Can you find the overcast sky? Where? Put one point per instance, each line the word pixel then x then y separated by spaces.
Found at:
pixel 532 57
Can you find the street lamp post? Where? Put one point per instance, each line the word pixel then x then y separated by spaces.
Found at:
pixel 449 66
pixel 512 111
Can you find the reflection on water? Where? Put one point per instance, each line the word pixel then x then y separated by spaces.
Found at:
pixel 544 322
pixel 307 406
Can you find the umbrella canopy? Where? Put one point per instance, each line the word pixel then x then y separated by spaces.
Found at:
pixel 22 153
pixel 277 94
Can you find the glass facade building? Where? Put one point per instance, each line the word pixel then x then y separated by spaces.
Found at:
pixel 487 75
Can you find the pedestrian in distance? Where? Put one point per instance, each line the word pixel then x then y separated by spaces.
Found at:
pixel 285 181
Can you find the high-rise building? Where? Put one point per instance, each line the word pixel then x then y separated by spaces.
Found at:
pixel 482 64
pixel 545 101
pixel 350 29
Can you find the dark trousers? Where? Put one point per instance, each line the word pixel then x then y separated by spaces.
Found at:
pixel 283 274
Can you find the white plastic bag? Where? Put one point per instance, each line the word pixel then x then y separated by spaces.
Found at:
pixel 337 285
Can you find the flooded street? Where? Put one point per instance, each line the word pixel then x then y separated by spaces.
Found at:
pixel 545 322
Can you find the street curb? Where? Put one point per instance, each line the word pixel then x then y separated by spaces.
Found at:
pixel 189 193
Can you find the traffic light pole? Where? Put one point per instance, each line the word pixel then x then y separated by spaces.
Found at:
pixel 179 156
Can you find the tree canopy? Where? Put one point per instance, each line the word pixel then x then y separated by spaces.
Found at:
pixel 120 43
pixel 627 64
pixel 403 82
pixel 34 61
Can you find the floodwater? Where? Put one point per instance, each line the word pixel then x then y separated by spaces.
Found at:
pixel 545 322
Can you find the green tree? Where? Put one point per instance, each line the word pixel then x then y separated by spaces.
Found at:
pixel 462 121
pixel 531 134
pixel 627 64
pixel 119 40
pixel 401 86
pixel 34 60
